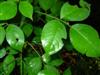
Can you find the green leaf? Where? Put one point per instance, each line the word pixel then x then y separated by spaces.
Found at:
pixel 37 31
pixel 27 29
pixel 26 9
pixel 15 37
pixel 83 3
pixel 8 64
pixel 67 72
pixel 2 35
pixel 46 4
pixel 85 40
pixel 49 70
pixel 13 0
pixel 55 9
pixel 56 62
pixel 34 66
pixel 46 58
pixel 11 50
pixel 8 10
pixel 2 53
pixel 75 14
pixel 52 35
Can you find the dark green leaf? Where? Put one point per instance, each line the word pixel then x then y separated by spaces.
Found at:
pixel 2 53
pixel 26 9
pixel 52 35
pixel 27 29
pixel 67 72
pixel 8 64
pixel 8 10
pixel 2 35
pixel 73 12
pixel 49 70
pixel 46 4
pixel 34 66
pixel 85 39
pixel 56 62
pixel 15 37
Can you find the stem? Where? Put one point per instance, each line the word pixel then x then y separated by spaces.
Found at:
pixel 33 48
pixel 66 23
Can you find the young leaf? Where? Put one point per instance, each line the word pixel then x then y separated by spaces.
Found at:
pixel 2 35
pixel 85 39
pixel 15 37
pixel 46 4
pixel 75 14
pixel 34 66
pixel 2 53
pixel 49 70
pixel 27 29
pixel 26 9
pixel 8 64
pixel 52 35
pixel 67 72
pixel 8 10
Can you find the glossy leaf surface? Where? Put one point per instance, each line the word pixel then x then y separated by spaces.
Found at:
pixel 74 13
pixel 8 10
pixel 52 35
pixel 26 9
pixel 15 37
pixel 85 39
pixel 35 66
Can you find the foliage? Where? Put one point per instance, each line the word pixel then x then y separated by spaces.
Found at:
pixel 35 33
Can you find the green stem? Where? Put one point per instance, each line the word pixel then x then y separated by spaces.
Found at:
pixel 66 23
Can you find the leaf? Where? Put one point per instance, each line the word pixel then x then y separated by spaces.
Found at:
pixel 2 35
pixel 8 64
pixel 2 53
pixel 85 40
pixel 56 62
pixel 34 66
pixel 52 35
pixel 8 10
pixel 15 37
pixel 67 72
pixel 55 9
pixel 75 14
pixel 26 9
pixel 46 4
pixel 46 58
pixel 27 29
pixel 49 70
